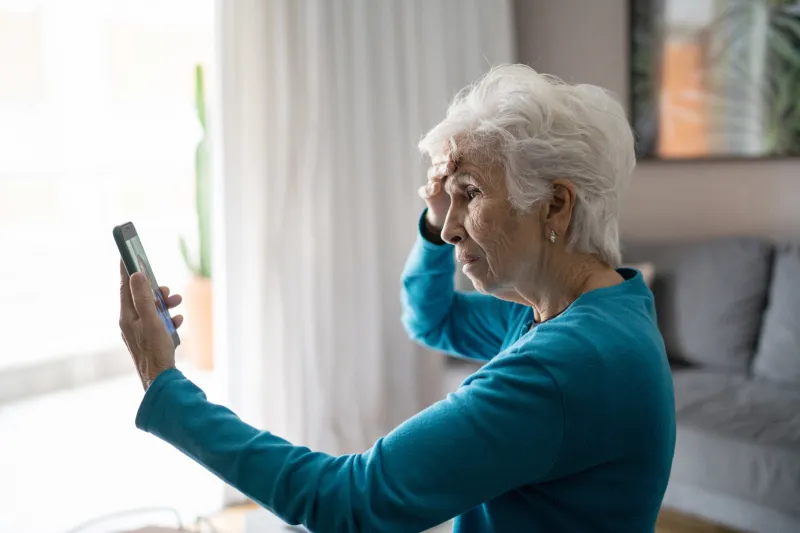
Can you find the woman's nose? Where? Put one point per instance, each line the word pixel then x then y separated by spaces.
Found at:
pixel 453 230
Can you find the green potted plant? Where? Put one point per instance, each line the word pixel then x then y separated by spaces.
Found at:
pixel 199 337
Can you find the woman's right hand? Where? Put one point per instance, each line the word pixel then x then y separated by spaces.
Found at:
pixel 433 192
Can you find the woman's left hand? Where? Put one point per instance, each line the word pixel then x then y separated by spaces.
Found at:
pixel 143 331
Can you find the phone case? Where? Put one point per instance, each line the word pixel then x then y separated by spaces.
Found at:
pixel 127 259
pixel 130 263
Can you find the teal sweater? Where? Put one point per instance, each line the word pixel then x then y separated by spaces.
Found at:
pixel 569 427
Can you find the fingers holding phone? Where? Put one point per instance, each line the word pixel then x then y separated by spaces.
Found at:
pixel 172 301
pixel 149 331
pixel 141 323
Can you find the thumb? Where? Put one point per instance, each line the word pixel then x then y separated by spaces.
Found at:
pixel 143 299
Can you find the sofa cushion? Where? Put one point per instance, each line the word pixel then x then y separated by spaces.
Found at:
pixel 742 440
pixel 720 296
pixel 709 297
pixel 695 386
pixel 778 354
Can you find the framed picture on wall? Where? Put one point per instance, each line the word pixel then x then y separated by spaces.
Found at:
pixel 715 78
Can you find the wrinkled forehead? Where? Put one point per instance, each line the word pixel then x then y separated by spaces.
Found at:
pixel 477 160
pixel 479 149
pixel 479 166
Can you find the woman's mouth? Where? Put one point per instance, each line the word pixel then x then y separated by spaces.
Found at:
pixel 469 261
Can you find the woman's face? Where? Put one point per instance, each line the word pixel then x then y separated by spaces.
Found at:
pixel 497 245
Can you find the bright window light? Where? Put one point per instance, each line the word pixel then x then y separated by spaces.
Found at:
pixel 97 127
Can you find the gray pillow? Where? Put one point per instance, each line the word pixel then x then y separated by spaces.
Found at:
pixel 720 295
pixel 778 355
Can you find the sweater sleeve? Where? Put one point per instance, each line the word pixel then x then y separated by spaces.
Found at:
pixel 466 324
pixel 501 430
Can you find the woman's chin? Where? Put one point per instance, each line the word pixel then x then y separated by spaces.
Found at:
pixel 472 272
pixel 473 269
pixel 487 285
pixel 480 283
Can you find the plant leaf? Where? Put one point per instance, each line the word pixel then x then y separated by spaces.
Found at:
pixel 782 45
pixel 185 254
pixel 199 95
pixel 787 22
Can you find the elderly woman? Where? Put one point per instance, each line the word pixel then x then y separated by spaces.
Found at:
pixel 570 424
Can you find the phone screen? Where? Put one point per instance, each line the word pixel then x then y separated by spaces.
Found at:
pixel 136 250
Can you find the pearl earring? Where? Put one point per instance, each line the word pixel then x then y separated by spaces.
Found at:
pixel 552 236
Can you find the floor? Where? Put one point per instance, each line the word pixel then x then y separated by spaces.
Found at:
pixel 674 522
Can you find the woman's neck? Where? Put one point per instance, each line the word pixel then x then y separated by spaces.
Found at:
pixel 559 287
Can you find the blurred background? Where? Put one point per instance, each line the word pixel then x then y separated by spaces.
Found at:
pixel 266 152
pixel 98 126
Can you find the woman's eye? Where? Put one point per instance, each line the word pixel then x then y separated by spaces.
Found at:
pixel 471 193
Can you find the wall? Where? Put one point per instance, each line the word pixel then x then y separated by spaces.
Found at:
pixel 586 41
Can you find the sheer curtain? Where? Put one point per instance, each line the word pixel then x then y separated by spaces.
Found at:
pixel 322 104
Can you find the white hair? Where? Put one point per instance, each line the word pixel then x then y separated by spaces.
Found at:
pixel 541 128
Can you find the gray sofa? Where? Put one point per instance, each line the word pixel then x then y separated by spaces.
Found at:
pixel 729 310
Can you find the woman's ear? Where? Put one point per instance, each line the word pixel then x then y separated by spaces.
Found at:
pixel 559 209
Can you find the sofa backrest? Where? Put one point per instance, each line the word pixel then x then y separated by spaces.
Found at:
pixel 710 298
pixel 778 355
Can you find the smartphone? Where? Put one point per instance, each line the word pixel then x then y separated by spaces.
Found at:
pixel 135 260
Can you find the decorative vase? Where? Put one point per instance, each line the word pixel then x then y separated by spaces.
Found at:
pixel 199 328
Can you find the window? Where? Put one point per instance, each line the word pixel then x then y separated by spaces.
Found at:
pixel 97 127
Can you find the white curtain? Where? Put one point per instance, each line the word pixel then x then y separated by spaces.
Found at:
pixel 322 104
